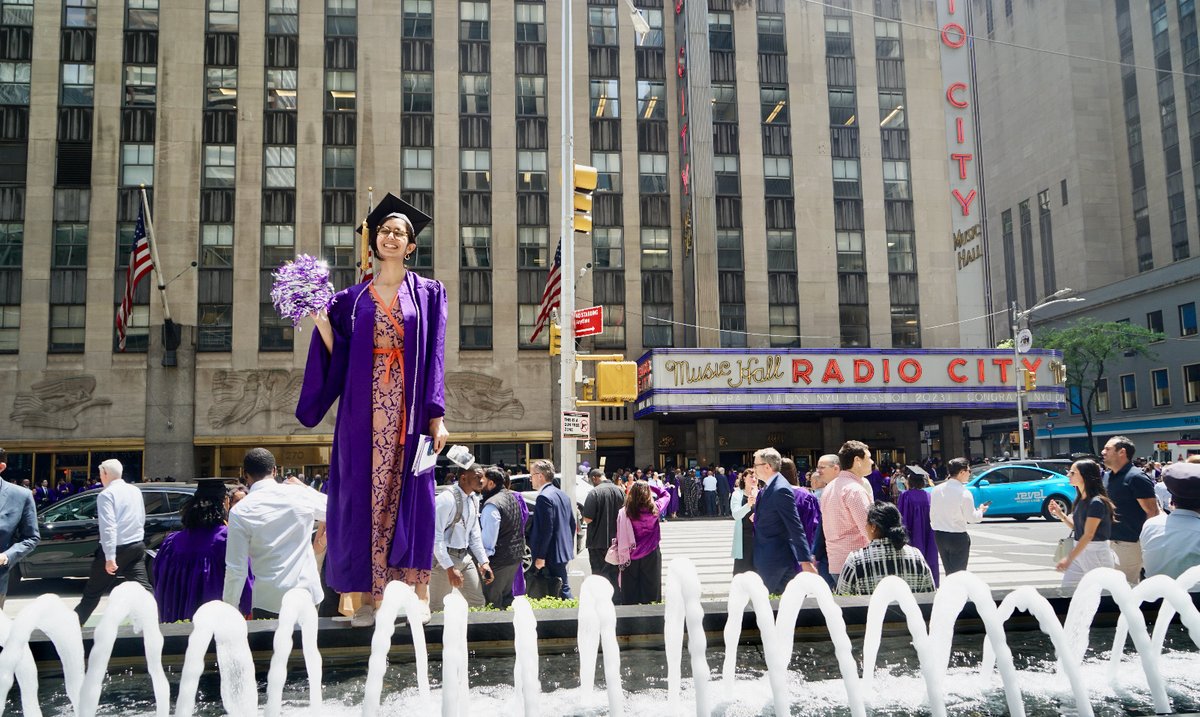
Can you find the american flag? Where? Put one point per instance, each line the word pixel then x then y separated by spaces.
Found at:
pixel 552 296
pixel 140 265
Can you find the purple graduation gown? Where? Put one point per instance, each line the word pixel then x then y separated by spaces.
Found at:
pixel 347 375
pixel 189 571
pixel 914 512
pixel 809 509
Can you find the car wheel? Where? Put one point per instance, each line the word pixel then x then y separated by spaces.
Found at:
pixel 1063 504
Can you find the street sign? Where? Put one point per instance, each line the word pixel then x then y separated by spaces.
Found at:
pixel 576 424
pixel 1049 426
pixel 1024 341
pixel 589 321
pixel 1052 414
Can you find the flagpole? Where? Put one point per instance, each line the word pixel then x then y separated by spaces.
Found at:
pixel 153 242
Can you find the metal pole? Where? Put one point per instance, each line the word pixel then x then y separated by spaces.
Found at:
pixel 153 241
pixel 568 457
pixel 1017 384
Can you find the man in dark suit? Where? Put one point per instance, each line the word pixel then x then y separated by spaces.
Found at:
pixel 780 546
pixel 19 532
pixel 552 535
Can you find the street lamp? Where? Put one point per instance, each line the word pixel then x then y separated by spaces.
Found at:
pixel 638 18
pixel 1058 297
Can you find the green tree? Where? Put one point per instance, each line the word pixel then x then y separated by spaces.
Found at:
pixel 1088 347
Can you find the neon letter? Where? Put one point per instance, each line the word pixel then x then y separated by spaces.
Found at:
pixel 954 375
pixel 801 371
pixel 953 89
pixel 965 201
pixel 911 364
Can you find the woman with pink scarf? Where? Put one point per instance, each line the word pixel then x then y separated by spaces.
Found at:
pixel 638 536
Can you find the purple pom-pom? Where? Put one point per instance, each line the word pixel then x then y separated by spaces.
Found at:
pixel 302 288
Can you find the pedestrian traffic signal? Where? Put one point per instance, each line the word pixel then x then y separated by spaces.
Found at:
pixel 585 183
pixel 1030 381
pixel 616 380
pixel 555 340
pixel 589 389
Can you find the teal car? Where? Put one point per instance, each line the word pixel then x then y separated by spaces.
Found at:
pixel 1020 491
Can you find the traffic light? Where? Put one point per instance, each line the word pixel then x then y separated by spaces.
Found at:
pixel 616 380
pixel 585 183
pixel 1030 380
pixel 589 389
pixel 555 340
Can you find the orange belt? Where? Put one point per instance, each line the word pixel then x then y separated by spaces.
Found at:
pixel 394 357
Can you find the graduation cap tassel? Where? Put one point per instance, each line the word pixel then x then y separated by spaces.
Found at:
pixel 366 270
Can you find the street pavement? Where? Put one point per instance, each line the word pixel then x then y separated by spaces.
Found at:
pixel 1004 552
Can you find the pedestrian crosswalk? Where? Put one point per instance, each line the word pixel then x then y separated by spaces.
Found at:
pixel 1002 560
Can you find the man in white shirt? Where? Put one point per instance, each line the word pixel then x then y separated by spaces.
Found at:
pixel 951 509
pixel 710 493
pixel 456 539
pixel 271 531
pixel 121 514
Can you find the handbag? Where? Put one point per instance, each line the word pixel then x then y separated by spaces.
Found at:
pixel 540 584
pixel 1065 546
pixel 611 556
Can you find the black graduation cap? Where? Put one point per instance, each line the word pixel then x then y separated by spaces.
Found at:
pixel 212 488
pixel 391 204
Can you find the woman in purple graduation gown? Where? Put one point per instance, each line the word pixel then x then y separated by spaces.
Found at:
pixel 189 569
pixel 380 352
pixel 914 512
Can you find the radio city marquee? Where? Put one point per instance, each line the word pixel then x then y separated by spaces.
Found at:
pixel 701 380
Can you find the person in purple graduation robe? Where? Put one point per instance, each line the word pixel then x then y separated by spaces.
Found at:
pixel 189 569
pixel 914 512
pixel 380 352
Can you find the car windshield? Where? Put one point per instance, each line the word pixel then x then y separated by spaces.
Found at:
pixel 81 507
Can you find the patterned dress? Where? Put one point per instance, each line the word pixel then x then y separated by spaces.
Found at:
pixel 387 445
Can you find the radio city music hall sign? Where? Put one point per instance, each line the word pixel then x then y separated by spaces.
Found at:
pixel 852 379
pixel 954 37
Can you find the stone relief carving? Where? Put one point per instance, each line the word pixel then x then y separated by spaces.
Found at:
pixel 239 396
pixel 479 398
pixel 56 402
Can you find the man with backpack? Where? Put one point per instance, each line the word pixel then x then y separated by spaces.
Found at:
pixel 459 558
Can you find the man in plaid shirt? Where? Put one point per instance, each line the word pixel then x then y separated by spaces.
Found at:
pixel 844 505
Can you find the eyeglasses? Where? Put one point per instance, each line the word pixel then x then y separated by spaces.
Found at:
pixel 756 465
pixel 394 233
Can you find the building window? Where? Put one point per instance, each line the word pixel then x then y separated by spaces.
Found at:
pixel 733 326
pixel 777 176
pixel 527 318
pixel 724 103
pixel 784 325
pixel 720 31
pixel 219 165
pixel 891 109
pixel 473 25
pixel 895 180
pixel 221 83
pixel 902 253
pixel 652 173
pixel 78 84
pixel 475 169
pixel 651 99
pixel 137 164
pixel 531 96
pixel 222 15
pixel 851 255
pixel 1191 382
pixel 854 325
pixel 338 249
pixel 1102 404
pixel 605 100
pixel 341 91
pixel 906 327
pixel 281 89
pixel 656 325
pixel 216 246
pixel 729 249
pixel 531 23
pixel 341 17
pixel 475 326
pixel 283 17
pixel 418 92
pixel 781 250
pixel 1062 187
pixel 654 38
pixel 14 83
pixel 774 104
pixel 772 38
pixel 418 19
pixel 11 253
pixel 18 13
pixel 339 168
pixel 602 26
pixel 418 169
pixel 1187 319
pixel 1160 384
pixel 279 165
pixel 846 179
pixel 608 249
pixel 887 39
pixel 531 247
pixel 1128 392
pixel 79 13
pixel 67 325
pixel 70 246
pixel 531 171
pixel 608 169
pixel 842 107
pixel 1154 321
pixel 278 244
pixel 475 94
pixel 613 335
pixel 476 248
pixel 141 85
pixel 725 169
pixel 656 248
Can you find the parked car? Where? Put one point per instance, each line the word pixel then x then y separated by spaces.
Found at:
pixel 71 532
pixel 1021 490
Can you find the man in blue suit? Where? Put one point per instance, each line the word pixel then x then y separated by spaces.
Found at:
pixel 780 545
pixel 552 535
pixel 19 532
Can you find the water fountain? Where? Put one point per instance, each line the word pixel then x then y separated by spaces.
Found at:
pixel 217 622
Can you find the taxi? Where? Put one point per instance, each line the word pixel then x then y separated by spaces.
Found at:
pixel 1020 491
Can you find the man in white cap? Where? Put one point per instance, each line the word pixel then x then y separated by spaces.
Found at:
pixel 1171 543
